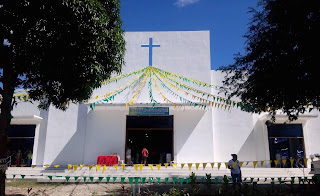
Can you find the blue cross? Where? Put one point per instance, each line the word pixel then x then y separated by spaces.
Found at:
pixel 150 50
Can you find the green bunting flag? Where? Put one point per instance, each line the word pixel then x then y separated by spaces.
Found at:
pixel 174 180
pixel 91 179
pixel 258 180
pixel 166 180
pixel 187 180
pixel 279 179
pixel 143 179
pixel 100 179
pixel 251 180
pixel 244 179
pixel 67 178
pixel 122 179
pixel 76 178
pixel 22 176
pixel 14 175
pixel 292 180
pixel 108 178
pixel 114 179
pixel 150 180
pixel 216 180
pixel 265 179
pixel 181 180
pixel 136 180
pixel 158 180
pixel 130 180
pixel 58 176
pixel 272 179
pixel 84 179
pixel 202 180
pixel 50 177
pixel 305 179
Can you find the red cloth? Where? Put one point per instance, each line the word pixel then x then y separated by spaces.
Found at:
pixel 107 160
pixel 144 152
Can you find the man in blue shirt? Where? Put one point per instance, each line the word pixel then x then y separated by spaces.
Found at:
pixel 234 166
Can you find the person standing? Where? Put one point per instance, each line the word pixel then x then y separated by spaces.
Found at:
pixel 234 166
pixel 18 157
pixel 29 158
pixel 128 155
pixel 145 154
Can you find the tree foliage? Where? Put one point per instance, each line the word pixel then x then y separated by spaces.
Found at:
pixel 279 70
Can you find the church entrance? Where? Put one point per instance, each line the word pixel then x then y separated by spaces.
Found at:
pixel 152 132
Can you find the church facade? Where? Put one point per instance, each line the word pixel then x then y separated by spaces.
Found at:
pixel 156 106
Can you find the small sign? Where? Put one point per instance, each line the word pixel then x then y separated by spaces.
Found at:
pixel 146 111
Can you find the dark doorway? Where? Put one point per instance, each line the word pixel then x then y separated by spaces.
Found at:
pixel 153 132
pixel 286 142
pixel 21 137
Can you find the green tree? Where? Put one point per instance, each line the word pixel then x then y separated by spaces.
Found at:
pixel 57 50
pixel 279 70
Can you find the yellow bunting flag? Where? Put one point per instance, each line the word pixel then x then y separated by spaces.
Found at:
pixel 204 165
pixel 135 166
pixel 166 165
pixel 226 164
pixel 298 160
pixel 219 165
pixel 98 167
pixel 234 165
pixel 212 165
pixel 75 167
pixel 291 161
pixel 33 166
pixel 241 163
pixel 90 167
pixel 104 168
pixel 182 165
pixel 23 165
pixel 254 164
pixel 122 166
pixel 47 165
pixel 270 162
pixel 141 166
pixel 174 165
pixel 115 166
pixel 247 162
pixel 276 162
pixel 312 158
pixel 189 165
pixel 82 165
pixel 284 161
pixel 262 163
pixel 151 166
pixel 158 166
pixel 197 165
pixel 69 166
pixel 56 166
pixel 305 161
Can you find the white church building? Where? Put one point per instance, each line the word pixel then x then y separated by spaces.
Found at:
pixel 156 106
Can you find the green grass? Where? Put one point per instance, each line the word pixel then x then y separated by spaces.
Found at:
pixel 28 183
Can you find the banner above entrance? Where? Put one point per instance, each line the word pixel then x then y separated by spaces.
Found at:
pixel 149 111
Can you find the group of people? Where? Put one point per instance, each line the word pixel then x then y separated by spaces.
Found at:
pixel 18 158
pixel 144 154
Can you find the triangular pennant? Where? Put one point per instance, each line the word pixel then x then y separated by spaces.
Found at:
pixel 204 165
pixel 182 165
pixel 108 178
pixel 219 165
pixel 240 163
pixel 197 165
pixel 76 178
pixel 251 180
pixel 174 165
pixel 166 180
pixel 150 179
pixel 98 167
pixel 279 179
pixel 234 164
pixel 292 180
pixel 272 179
pixel 136 180
pixel 189 166
pixel 22 176
pixel 122 179
pixel 291 161
pixel 56 166
pixel 212 165
pixel 226 164
pixel 122 166
pixel 91 179
pixel 84 179
pixel 47 165
pixel 247 162
pixel 130 180
pixel 262 163
pixel 50 177
pixel 158 180
pixel 254 164
pixel 141 166
pixel 14 175
pixel 305 161
pixel 69 166
pixel 115 166
pixel 158 166
pixel 270 162
pixel 82 165
pixel 33 166
pixel 216 180
pixel 166 165
pixel 90 167
pixel 135 166
pixel 181 181
pixel 187 180
pixel 265 179
pixel 75 167
pixel 143 179
pixel 151 166
pixel 174 179
pixel 100 179
pixel 67 178
pixel 114 179
pixel 284 161
pixel 104 168
pixel 276 162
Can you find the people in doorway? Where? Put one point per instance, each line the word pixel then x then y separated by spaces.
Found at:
pixel 234 166
pixel 137 157
pixel 128 155
pixel 145 154
pixel 18 157
pixel 29 158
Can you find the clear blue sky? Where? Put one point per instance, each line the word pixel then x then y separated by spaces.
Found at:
pixel 227 21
